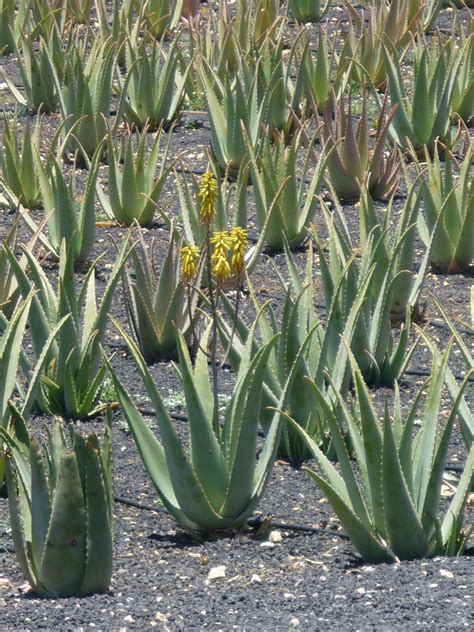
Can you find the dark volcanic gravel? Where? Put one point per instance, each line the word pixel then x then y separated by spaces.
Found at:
pixel 276 578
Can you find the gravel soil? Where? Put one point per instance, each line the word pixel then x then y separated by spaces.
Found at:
pixel 270 576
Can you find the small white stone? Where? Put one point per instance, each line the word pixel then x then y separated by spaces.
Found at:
pixel 360 591
pixel 129 619
pixel 255 579
pixel 445 573
pixel 295 622
pixel 217 572
pixel 275 537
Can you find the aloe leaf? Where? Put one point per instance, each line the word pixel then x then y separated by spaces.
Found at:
pixel 207 459
pixel 401 517
pixel 62 565
pixel 98 567
pixel 361 536
pixel 40 504
pixel 423 461
pixel 189 493
pixel 456 507
pixel 431 504
pixel 243 437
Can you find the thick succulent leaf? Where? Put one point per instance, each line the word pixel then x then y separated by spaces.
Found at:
pixel 10 346
pixel 431 506
pixel 406 536
pixel 243 436
pixel 190 495
pixel 424 455
pixel 456 507
pixel 99 544
pixel 18 532
pixel 207 458
pixel 151 452
pixel 361 537
pixel 40 503
pixel 62 565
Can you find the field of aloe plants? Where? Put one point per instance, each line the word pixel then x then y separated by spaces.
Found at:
pixel 236 314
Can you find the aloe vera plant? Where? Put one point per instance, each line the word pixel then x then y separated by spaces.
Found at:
pixel 325 77
pixel 465 413
pixel 463 93
pixel 73 373
pixel 7 20
pixel 303 333
pixel 218 483
pixel 134 191
pixel 285 204
pixel 156 300
pixel 9 291
pixel 61 509
pixel 446 226
pixel 386 261
pixel 387 23
pixel 159 15
pixel 424 116
pixel 11 358
pixel 153 90
pixel 8 287
pixel 69 218
pixel 84 93
pixel 120 28
pixel 248 102
pixel 40 90
pixel 352 161
pixel 388 498
pixel 19 171
pixel 308 10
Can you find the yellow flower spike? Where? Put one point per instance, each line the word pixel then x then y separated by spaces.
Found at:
pixel 189 259
pixel 239 245
pixel 208 196
pixel 221 242
pixel 220 267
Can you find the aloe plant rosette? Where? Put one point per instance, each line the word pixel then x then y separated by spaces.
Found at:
pixel 61 510
pixel 388 497
pixel 218 483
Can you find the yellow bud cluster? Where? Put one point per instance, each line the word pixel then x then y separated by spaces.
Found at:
pixel 208 195
pixel 239 245
pixel 221 244
pixel 189 260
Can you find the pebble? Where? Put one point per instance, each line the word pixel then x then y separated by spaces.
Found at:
pixel 217 572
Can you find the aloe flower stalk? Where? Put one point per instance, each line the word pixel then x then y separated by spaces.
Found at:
pixel 388 496
pixel 61 510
